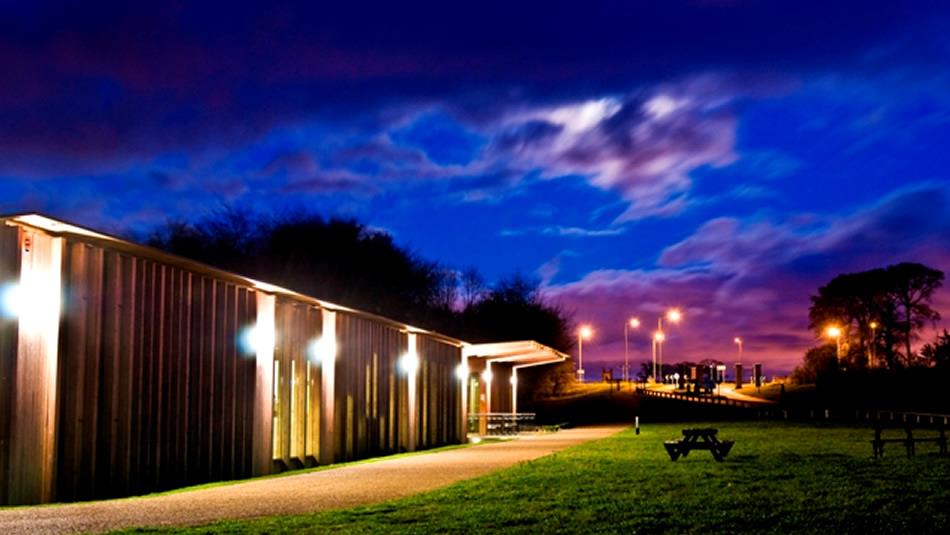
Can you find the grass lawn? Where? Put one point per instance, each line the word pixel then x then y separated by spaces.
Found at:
pixel 778 478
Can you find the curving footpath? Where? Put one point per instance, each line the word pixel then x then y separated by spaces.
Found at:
pixel 347 486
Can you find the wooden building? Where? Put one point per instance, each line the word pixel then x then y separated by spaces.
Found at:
pixel 126 370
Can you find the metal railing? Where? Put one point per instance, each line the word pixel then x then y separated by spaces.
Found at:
pixel 501 423
pixel 782 412
pixel 709 400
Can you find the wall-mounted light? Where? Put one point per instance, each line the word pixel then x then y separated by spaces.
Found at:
pixel 462 372
pixel 322 351
pixel 409 363
pixel 11 300
pixel 258 339
pixel 486 375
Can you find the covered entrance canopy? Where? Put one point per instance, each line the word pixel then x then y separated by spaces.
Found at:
pixel 493 372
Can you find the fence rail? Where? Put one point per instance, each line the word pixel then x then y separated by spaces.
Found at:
pixel 708 400
pixel 501 423
pixel 776 411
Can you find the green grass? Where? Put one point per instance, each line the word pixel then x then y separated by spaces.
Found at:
pixel 778 478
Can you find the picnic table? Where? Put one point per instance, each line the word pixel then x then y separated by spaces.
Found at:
pixel 909 441
pixel 699 439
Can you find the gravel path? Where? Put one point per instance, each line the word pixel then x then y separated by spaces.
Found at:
pixel 346 486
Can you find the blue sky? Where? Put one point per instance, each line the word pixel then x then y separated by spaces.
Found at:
pixel 727 157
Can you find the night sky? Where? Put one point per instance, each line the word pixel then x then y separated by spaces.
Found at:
pixel 726 157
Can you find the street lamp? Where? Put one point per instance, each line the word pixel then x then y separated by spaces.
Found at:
pixel 738 342
pixel 584 332
pixel 658 338
pixel 632 323
pixel 871 354
pixel 835 332
pixel 673 315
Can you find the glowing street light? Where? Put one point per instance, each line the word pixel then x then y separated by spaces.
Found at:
pixel 632 323
pixel 871 354
pixel 658 338
pixel 673 315
pixel 584 332
pixel 835 332
pixel 738 342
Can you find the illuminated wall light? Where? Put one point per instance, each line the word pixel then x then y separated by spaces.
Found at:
pixel 322 351
pixel 486 375
pixel 409 363
pixel 33 300
pixel 513 380
pixel 258 339
pixel 462 372
pixel 11 300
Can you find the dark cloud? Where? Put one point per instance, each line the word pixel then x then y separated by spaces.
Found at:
pixel 111 80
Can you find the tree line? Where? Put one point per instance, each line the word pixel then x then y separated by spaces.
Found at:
pixel 346 262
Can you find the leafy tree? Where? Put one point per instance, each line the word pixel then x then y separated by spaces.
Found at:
pixel 911 286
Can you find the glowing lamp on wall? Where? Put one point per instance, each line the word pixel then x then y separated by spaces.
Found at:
pixel 486 375
pixel 409 363
pixel 322 351
pixel 461 372
pixel 257 339
pixel 11 300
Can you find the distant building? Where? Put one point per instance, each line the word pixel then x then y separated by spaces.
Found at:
pixel 125 370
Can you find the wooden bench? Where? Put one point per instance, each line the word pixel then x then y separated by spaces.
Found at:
pixel 699 439
pixel 909 441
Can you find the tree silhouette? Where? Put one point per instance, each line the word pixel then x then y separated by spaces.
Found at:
pixel 911 287
pixel 878 311
pixel 345 262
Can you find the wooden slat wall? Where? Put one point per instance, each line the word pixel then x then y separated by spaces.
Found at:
pixel 155 391
pixel 501 387
pixel 368 396
pixel 439 407
pixel 9 275
pixel 298 385
pixel 152 389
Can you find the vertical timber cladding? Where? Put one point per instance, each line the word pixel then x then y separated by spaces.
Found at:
pixel 439 393
pixel 369 393
pixel 501 399
pixel 297 384
pixel 9 278
pixel 31 446
pixel 155 390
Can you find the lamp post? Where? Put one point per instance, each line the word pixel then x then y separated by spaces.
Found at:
pixel 835 332
pixel 658 338
pixel 631 323
pixel 738 342
pixel 584 332
pixel 872 353
pixel 674 316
